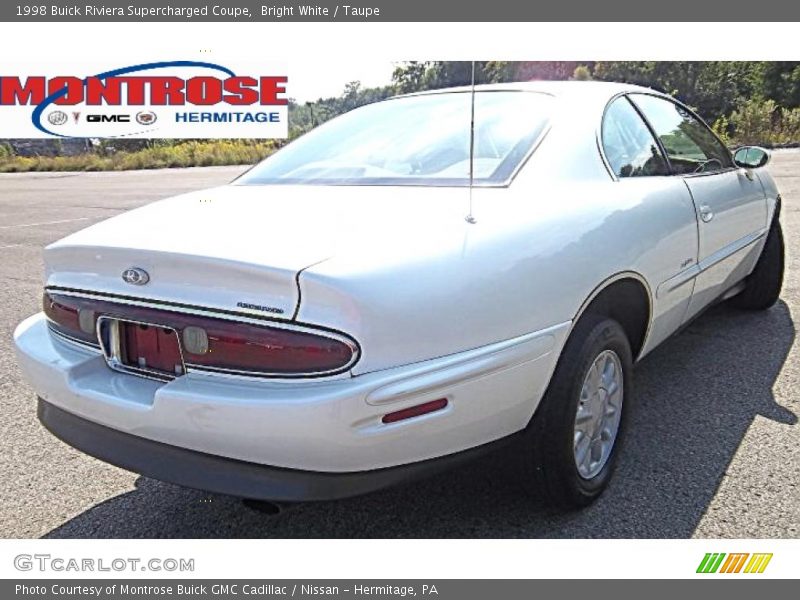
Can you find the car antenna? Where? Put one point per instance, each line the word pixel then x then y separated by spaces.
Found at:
pixel 470 218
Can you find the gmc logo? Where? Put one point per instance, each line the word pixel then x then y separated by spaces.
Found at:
pixel 108 118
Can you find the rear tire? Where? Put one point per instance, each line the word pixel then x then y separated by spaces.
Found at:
pixel 552 442
pixel 763 286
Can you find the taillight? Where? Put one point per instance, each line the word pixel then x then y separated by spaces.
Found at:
pixel 253 348
pixel 211 343
pixel 71 316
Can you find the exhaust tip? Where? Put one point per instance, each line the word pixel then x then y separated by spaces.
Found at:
pixel 263 506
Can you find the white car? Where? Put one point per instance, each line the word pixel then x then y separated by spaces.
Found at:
pixel 396 291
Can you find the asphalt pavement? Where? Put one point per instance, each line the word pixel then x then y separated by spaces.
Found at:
pixel 713 448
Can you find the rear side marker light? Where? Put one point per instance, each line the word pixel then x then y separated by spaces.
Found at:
pixel 415 411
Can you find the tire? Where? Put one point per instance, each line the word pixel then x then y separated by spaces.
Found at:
pixel 763 286
pixel 550 467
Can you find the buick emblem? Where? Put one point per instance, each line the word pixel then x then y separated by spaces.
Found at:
pixel 135 276
pixel 57 117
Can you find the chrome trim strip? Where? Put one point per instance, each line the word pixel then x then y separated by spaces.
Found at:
pixel 235 318
pixel 233 373
pixel 690 273
pixel 74 341
pixel 673 283
pixel 730 249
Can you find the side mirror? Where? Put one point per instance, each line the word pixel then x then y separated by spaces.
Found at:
pixel 750 157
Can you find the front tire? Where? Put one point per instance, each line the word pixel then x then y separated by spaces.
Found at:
pixel 572 442
pixel 763 286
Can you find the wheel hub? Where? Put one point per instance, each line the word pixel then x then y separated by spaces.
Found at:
pixel 598 416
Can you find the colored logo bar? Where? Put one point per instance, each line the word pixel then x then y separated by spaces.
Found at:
pixel 720 562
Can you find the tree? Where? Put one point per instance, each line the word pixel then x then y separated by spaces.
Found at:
pixel 582 73
pixel 712 88
pixel 782 83
pixel 418 76
pixel 408 76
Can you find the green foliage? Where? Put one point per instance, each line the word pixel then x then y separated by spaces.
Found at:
pixel 409 77
pixel 753 122
pixel 747 102
pixel 781 82
pixel 582 73
pixel 722 128
pixel 759 121
pixel 192 153
pixel 712 88
pixel 417 76
pixel 304 117
pixel 790 123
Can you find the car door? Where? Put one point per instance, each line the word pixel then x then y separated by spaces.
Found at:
pixel 730 202
pixel 667 222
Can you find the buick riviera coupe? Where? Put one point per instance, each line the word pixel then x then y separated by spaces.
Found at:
pixel 399 289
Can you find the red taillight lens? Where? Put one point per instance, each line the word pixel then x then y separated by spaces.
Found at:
pixel 253 348
pixel 213 343
pixel 64 313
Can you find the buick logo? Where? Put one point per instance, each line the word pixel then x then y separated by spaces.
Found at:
pixel 57 117
pixel 135 276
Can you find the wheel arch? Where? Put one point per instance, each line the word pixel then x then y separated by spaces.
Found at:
pixel 627 298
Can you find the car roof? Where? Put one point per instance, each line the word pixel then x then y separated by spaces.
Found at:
pixel 562 89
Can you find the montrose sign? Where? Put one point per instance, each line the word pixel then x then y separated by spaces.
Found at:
pixel 163 99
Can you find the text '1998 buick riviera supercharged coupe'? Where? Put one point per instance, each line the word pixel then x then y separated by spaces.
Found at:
pixel 401 288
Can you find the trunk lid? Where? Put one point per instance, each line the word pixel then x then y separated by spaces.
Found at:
pixel 241 247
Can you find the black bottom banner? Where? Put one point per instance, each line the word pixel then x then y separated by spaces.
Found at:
pixel 344 589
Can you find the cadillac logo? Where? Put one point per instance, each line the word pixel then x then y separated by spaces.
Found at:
pixel 146 117
pixel 135 276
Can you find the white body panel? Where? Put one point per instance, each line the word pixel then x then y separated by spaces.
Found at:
pixel 475 312
pixel 732 218
pixel 329 425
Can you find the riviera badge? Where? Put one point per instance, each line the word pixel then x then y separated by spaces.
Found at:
pixel 135 276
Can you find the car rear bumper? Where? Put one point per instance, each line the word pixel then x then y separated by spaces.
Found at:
pixel 234 477
pixel 331 425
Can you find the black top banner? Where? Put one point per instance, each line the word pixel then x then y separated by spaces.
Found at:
pixel 402 11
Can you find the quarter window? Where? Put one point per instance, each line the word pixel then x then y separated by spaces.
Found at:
pixel 689 144
pixel 630 148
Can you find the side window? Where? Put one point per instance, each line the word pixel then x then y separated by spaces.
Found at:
pixel 628 144
pixel 690 146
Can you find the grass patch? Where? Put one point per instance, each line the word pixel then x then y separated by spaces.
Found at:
pixel 187 154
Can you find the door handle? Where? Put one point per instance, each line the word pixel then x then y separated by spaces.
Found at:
pixel 706 214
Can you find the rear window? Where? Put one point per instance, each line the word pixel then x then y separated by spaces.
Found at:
pixel 417 140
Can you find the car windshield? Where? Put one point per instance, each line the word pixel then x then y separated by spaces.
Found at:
pixel 415 140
